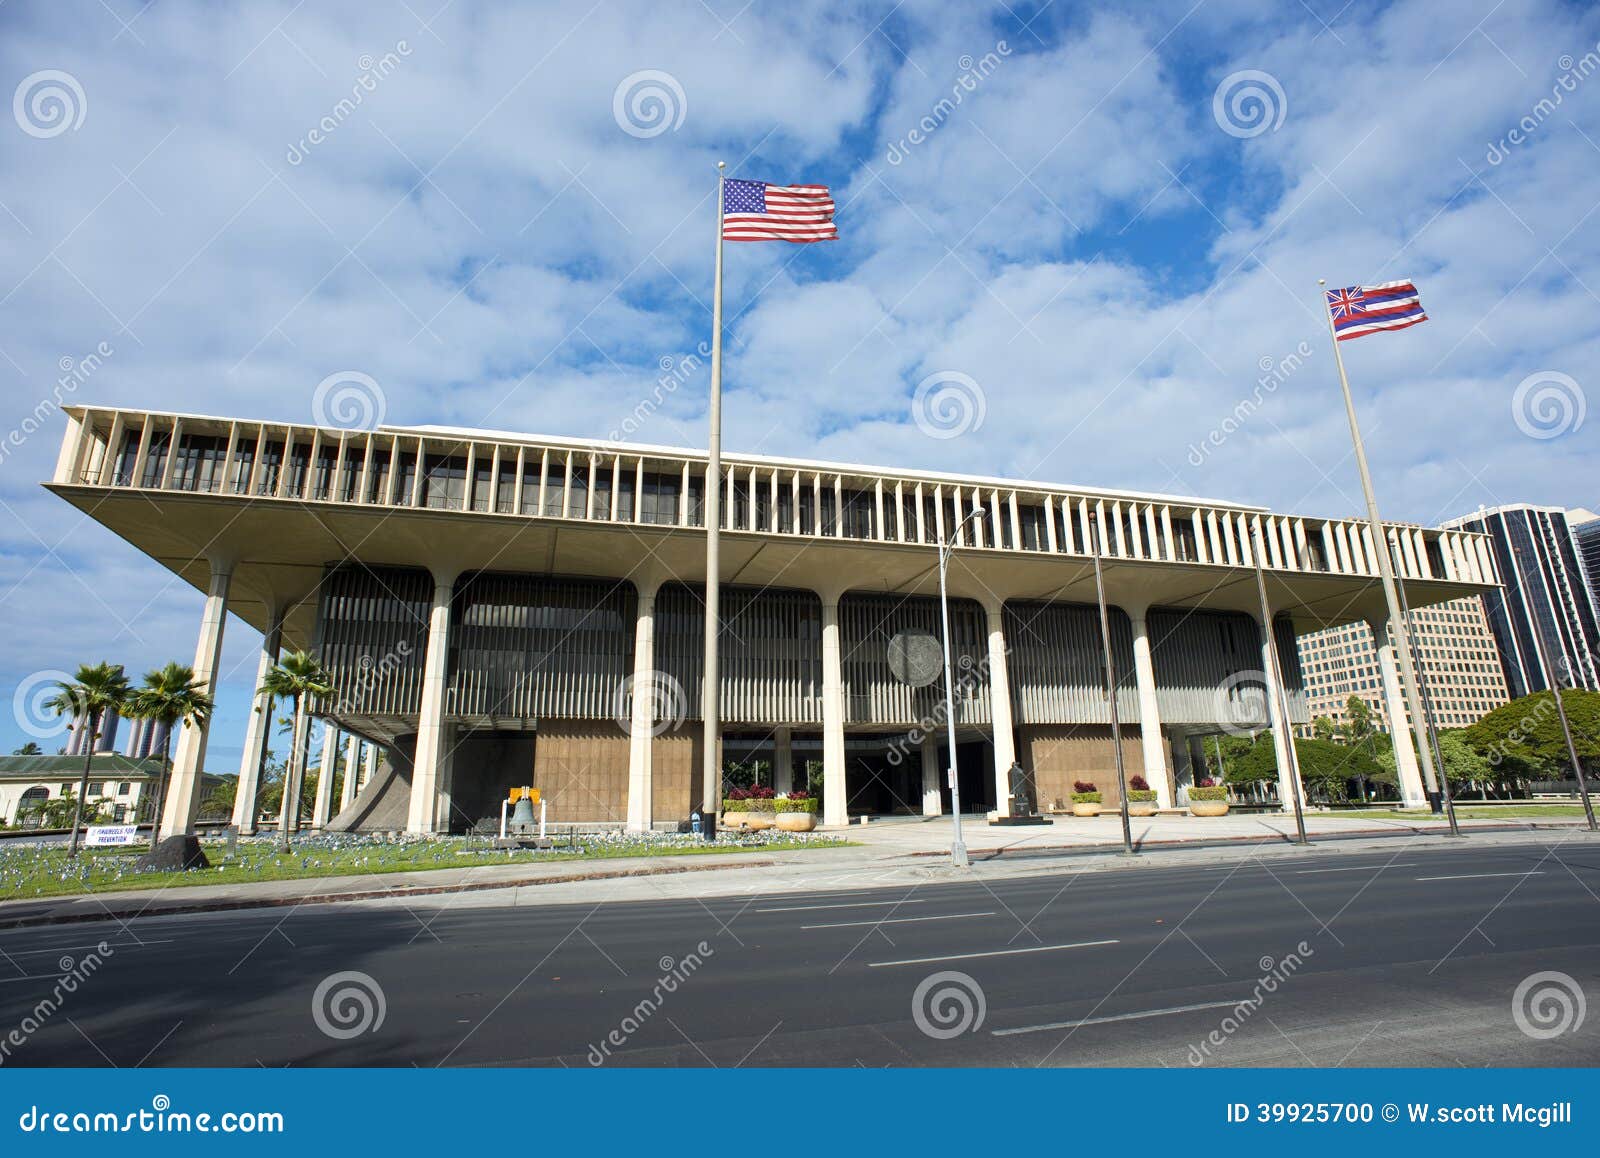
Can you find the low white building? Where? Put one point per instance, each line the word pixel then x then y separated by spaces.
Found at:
pixel 115 781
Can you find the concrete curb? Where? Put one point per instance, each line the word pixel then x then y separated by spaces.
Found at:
pixel 231 904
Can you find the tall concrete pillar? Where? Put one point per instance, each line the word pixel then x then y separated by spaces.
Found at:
pixel 1405 756
pixel 352 769
pixel 782 760
pixel 322 806
pixel 1151 745
pixel 1277 712
pixel 257 729
pixel 932 804
pixel 834 797
pixel 189 755
pixel 1005 745
pixel 642 722
pixel 370 769
pixel 423 815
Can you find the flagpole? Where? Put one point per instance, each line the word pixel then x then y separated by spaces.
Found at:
pixel 710 698
pixel 1397 623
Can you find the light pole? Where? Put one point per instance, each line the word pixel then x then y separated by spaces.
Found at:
pixel 958 849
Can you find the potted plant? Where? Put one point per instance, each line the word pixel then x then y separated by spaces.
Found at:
pixel 1141 797
pixel 1085 799
pixel 749 808
pixel 1208 798
pixel 796 812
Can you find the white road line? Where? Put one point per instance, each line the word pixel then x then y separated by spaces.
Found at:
pixel 1482 876
pixel 1355 868
pixel 897 920
pixel 112 945
pixel 1118 1017
pixel 990 953
pixel 853 905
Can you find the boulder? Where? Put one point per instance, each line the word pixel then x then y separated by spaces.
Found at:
pixel 174 854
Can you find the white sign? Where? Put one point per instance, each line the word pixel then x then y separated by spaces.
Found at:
pixel 105 835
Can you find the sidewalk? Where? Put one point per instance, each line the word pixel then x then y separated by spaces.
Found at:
pixel 897 851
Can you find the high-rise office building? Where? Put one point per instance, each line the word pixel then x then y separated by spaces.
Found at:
pixel 1459 661
pixel 1544 616
pixel 1586 532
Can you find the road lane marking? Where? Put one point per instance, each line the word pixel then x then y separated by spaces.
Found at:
pixel 990 953
pixel 897 920
pixel 1483 876
pixel 1119 1017
pixel 112 945
pixel 852 905
pixel 1355 868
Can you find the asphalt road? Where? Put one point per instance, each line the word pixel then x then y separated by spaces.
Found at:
pixel 1409 957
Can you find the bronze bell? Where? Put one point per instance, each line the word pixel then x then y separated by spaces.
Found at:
pixel 522 815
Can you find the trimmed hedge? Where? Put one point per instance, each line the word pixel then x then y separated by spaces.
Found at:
pixel 1219 792
pixel 1141 794
pixel 1086 797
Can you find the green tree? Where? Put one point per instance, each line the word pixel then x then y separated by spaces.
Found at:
pixel 1226 759
pixel 171 696
pixel 1322 728
pixel 1523 739
pixel 1325 766
pixel 296 677
pixel 94 692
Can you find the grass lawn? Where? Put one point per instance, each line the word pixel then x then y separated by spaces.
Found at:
pixel 1477 812
pixel 44 871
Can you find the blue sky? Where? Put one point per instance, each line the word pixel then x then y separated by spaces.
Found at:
pixel 1096 235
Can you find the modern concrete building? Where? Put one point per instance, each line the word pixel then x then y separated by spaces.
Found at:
pixel 1459 661
pixel 1544 618
pixel 502 609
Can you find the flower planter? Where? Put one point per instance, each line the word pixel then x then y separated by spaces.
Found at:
pixel 735 819
pixel 758 821
pixel 797 821
pixel 1086 810
pixel 1141 808
pixel 1208 808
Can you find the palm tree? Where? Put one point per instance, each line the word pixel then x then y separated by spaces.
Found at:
pixel 170 696
pixel 93 692
pixel 297 677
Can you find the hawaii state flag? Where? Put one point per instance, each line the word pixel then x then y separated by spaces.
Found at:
pixel 756 211
pixel 1361 310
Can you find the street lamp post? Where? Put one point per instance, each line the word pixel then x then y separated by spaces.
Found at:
pixel 958 847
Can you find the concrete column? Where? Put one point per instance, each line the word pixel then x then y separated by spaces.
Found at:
pixel 446 782
pixel 1184 770
pixel 352 768
pixel 1405 756
pixel 256 731
pixel 1005 745
pixel 1277 712
pixel 641 725
pixel 189 756
pixel 322 806
pixel 431 730
pixel 371 769
pixel 834 797
pixel 782 760
pixel 1151 744
pixel 932 804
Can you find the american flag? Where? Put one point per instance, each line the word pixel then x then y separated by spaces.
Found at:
pixel 1360 310
pixel 756 211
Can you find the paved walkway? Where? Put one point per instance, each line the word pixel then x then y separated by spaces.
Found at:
pixel 908 851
